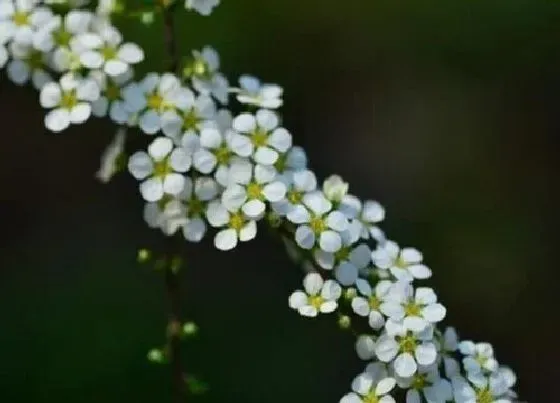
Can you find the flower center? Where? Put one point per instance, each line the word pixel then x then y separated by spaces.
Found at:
pixel 223 154
pixel 259 137
pixel 162 169
pixel 254 191
pixel 62 37
pixel 400 263
pixel 155 101
pixel 108 52
pixel 294 196
pixel 236 221
pixel 163 201
pixel 69 100
pixel 374 303
pixel 20 18
pixel 195 207
pixel 481 359
pixel 317 225
pixel 35 60
pixel 484 396
pixel 191 120
pixel 315 301
pixel 412 309
pixel 112 92
pixel 407 343
pixel 419 381
pixel 370 398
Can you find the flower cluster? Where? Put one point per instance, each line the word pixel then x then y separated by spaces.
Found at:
pixel 207 168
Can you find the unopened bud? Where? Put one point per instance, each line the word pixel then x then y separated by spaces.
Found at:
pixel 144 255
pixel 344 322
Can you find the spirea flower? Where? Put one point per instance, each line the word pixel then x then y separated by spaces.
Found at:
pixel 369 301
pixel 236 226
pixel 19 20
pixel 319 296
pixel 160 169
pixel 268 140
pixel 253 92
pixel 205 75
pixel 111 99
pixel 404 264
pixel 373 385
pixel 28 63
pixel 203 7
pixel 196 196
pixel 426 384
pixel 69 100
pixel 479 357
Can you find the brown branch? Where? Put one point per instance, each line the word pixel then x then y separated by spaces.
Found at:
pixel 169 36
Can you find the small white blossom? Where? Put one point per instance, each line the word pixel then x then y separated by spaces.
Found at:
pixel 370 300
pixel 205 75
pixel 448 344
pixel 335 188
pixel 199 113
pixel 238 227
pixel 478 357
pixel 69 101
pixel 365 347
pixel 27 63
pixel 373 385
pixel 268 140
pixel 19 20
pixel 347 261
pixel 112 98
pixel 107 52
pixel 416 309
pixel 253 92
pixel 196 197
pixel 319 296
pixel 252 188
pixel 428 383
pixel 110 157
pixel 405 349
pixel 288 164
pixel 203 7
pixel 404 264
pixel 153 96
pixel 58 32
pixel 480 389
pixel 160 169
pixel 301 182
pixel 317 223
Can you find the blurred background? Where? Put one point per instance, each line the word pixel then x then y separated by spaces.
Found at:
pixel 444 111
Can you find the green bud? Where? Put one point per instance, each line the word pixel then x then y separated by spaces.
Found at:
pixel 350 293
pixel 190 329
pixel 195 385
pixel 147 18
pixel 176 264
pixel 157 356
pixel 344 322
pixel 144 255
pixel 274 219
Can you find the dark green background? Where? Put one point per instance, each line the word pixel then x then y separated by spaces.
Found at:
pixel 444 111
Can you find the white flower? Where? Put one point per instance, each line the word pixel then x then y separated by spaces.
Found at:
pixel 317 223
pixel 416 309
pixel 253 187
pixel 19 20
pixel 106 52
pixel 268 140
pixel 111 156
pixel 480 389
pixel 153 96
pixel 111 99
pixel 368 304
pixel 426 381
pixel 405 264
pixel 58 33
pixel 217 152
pixel 253 92
pixel 365 216
pixel 203 7
pixel 205 75
pixel 196 197
pixel 335 188
pixel 69 100
pixel 347 261
pixel 371 386
pixel 405 349
pixel 319 296
pixel 197 114
pixel 27 63
pixel 301 182
pixel 238 226
pixel 167 214
pixel 478 357
pixel 160 169
pixel 106 7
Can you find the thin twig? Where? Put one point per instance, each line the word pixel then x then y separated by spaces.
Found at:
pixel 169 38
